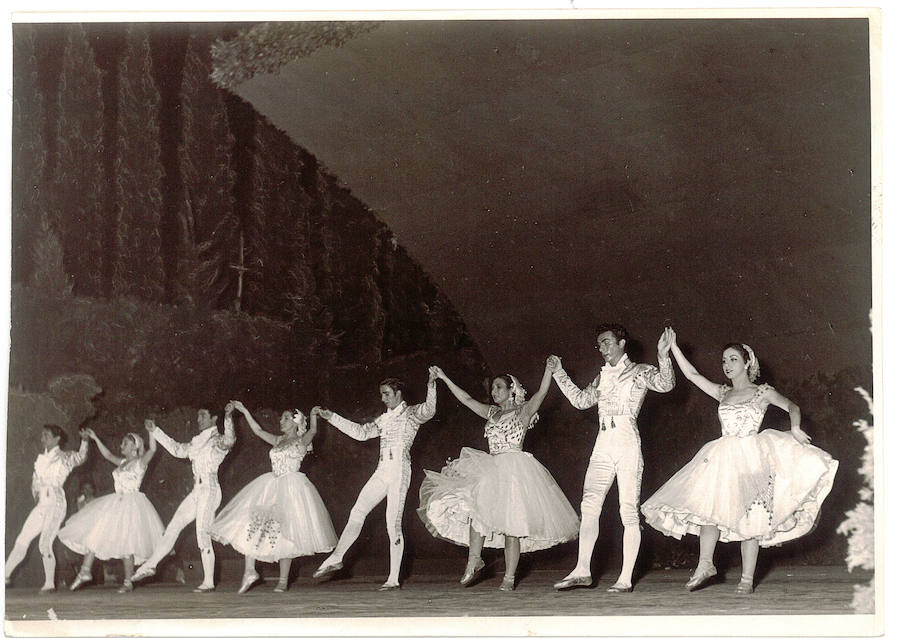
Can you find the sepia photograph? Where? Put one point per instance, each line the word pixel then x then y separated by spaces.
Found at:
pixel 474 323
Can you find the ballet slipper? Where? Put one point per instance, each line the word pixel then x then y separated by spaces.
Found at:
pixel 469 576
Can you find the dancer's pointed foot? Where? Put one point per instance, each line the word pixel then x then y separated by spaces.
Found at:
pixel 570 582
pixel 142 573
pixel 620 588
pixel 471 573
pixel 80 579
pixel 327 570
pixel 745 586
pixel 248 581
pixel 508 583
pixel 702 574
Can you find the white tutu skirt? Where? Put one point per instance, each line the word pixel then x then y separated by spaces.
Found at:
pixel 114 526
pixel 765 486
pixel 275 517
pixel 508 494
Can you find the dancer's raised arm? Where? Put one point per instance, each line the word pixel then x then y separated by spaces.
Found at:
pixel 268 437
pixel 307 437
pixel 534 403
pixel 481 409
pixel 109 456
pixel 151 446
pixel 687 368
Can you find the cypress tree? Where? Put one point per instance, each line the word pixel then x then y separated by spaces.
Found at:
pixel 29 155
pixel 137 264
pixel 75 211
pixel 209 227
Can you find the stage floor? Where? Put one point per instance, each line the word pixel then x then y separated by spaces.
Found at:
pixel 783 590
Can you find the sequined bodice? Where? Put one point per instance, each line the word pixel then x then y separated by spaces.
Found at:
pixel 287 457
pixel 504 430
pixel 745 417
pixel 128 476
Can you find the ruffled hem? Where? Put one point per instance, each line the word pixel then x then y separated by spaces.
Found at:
pixel 788 507
pixel 275 517
pixel 508 494
pixel 114 526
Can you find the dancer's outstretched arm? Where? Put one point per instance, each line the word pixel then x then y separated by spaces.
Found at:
pixel 424 411
pixel 689 371
pixel 313 427
pixel 109 456
pixel 481 409
pixel 358 431
pixel 534 403
pixel 173 447
pixel 151 447
pixel 580 399
pixel 268 437
pixel 661 379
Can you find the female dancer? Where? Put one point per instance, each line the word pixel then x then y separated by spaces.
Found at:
pixel 279 515
pixel 122 525
pixel 761 489
pixel 502 499
pixel 51 469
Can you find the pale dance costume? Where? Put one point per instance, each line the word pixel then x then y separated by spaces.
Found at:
pixel 618 392
pixel 397 429
pixel 206 452
pixel 117 525
pixel 504 493
pixel 51 469
pixel 751 485
pixel 277 515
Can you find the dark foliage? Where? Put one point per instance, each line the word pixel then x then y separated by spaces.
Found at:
pixel 137 262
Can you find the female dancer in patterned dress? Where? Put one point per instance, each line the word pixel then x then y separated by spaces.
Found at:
pixel 761 489
pixel 502 499
pixel 51 469
pixel 121 525
pixel 279 515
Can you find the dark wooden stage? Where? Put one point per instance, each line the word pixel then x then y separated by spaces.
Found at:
pixel 310 608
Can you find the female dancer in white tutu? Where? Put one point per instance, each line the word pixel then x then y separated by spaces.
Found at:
pixel 122 525
pixel 502 499
pixel 279 515
pixel 51 469
pixel 761 489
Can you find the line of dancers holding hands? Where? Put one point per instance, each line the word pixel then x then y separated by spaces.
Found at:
pixel 758 488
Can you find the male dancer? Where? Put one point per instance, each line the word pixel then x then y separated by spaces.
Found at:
pixel 397 428
pixel 206 451
pixel 618 392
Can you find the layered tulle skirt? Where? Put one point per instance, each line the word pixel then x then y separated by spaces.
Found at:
pixel 114 526
pixel 507 494
pixel 275 517
pixel 765 486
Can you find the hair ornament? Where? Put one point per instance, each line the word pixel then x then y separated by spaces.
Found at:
pixel 753 364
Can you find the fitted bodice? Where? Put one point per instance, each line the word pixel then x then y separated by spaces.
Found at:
pixel 745 417
pixel 128 476
pixel 286 456
pixel 504 430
